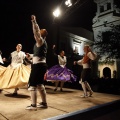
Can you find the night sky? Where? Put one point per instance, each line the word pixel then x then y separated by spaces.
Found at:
pixel 15 20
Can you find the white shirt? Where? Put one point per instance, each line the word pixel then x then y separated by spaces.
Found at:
pixel 87 65
pixel 17 57
pixel 62 61
pixel 1 61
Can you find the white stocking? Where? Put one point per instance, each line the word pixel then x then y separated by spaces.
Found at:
pixel 42 92
pixel 84 88
pixel 33 97
pixel 88 86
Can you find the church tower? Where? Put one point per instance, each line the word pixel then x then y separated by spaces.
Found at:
pixel 108 14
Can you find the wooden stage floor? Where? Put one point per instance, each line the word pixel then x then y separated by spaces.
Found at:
pixel 60 103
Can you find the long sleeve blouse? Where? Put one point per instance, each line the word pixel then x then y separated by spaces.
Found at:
pixel 85 62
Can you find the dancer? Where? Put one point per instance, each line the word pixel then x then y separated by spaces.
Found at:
pixel 1 61
pixel 1 67
pixel 60 73
pixel 86 72
pixel 16 74
pixel 38 68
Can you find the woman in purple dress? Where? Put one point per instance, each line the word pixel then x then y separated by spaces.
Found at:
pixel 60 73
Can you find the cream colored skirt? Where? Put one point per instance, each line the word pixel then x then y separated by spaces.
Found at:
pixel 12 77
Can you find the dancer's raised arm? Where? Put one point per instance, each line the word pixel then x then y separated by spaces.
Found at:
pixel 36 30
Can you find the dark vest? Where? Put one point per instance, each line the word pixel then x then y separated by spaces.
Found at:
pixel 40 51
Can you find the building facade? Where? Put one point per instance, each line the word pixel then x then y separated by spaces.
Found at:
pixel 108 14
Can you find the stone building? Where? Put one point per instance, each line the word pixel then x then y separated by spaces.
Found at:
pixel 108 13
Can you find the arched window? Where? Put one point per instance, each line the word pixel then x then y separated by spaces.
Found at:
pixel 107 72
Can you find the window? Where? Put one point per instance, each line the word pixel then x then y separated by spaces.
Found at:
pixel 108 6
pixel 76 47
pixel 117 3
pixel 101 9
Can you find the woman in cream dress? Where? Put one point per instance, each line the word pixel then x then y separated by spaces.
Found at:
pixel 16 74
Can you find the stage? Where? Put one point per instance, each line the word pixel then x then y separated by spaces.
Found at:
pixel 59 104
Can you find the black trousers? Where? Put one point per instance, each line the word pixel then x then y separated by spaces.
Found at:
pixel 86 74
pixel 37 74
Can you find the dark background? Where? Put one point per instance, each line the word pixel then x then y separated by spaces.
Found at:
pixel 15 20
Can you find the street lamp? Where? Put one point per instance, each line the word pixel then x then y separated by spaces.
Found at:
pixel 68 3
pixel 56 13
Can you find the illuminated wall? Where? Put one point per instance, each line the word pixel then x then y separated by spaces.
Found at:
pixel 107 14
pixel 112 68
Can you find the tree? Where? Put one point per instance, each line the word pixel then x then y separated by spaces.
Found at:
pixel 108 43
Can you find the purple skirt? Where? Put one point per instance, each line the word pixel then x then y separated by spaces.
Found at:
pixel 60 74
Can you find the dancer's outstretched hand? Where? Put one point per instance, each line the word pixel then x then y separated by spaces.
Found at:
pixel 4 59
pixel 53 46
pixel 33 17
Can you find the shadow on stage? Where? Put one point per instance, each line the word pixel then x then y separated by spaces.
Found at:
pixel 51 91
pixel 17 96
